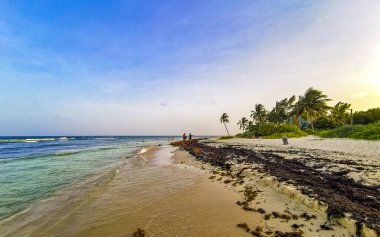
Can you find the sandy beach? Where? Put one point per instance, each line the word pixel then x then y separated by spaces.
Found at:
pixel 324 178
pixel 166 194
pixel 171 192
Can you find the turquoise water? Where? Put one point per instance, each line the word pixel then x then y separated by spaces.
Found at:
pixel 33 168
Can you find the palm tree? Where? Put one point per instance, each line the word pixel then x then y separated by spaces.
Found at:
pixel 224 119
pixel 243 123
pixel 340 113
pixel 259 114
pixel 311 105
pixel 281 111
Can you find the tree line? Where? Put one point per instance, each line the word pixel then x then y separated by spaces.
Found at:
pixel 311 106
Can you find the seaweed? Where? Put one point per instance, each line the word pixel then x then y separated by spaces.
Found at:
pixel 325 226
pixel 334 212
pixel 359 229
pixel 341 193
pixel 139 233
pixel 288 234
pixel 257 232
pixel 260 210
pixel 243 226
pixel 249 193
pixel 307 217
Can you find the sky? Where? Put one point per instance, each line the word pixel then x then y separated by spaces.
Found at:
pixel 167 67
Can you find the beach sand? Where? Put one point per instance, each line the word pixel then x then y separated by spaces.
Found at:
pixel 323 178
pixel 202 208
pixel 169 192
pixel 161 196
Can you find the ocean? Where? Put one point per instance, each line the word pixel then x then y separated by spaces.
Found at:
pixel 33 168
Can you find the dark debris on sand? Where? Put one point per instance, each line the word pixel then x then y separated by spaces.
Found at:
pixel 341 193
pixel 139 233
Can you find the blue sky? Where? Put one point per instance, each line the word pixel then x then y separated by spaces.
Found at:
pixel 164 67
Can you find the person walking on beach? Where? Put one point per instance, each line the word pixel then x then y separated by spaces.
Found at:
pixel 190 136
pixel 184 136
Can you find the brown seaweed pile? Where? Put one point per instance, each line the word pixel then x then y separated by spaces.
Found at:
pixel 341 193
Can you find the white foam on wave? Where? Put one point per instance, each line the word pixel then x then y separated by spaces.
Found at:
pixel 144 150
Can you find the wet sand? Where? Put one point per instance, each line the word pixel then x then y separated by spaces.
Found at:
pixel 159 194
pixel 168 192
pixel 298 179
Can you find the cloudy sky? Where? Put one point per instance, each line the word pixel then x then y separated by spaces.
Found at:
pixel 164 67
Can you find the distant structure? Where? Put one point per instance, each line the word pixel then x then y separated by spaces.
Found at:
pixel 298 121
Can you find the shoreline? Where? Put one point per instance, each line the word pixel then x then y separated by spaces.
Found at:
pixel 169 192
pixel 257 159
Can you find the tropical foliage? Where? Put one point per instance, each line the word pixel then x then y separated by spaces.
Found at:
pixel 369 132
pixel 339 113
pixel 269 129
pixel 259 115
pixel 311 105
pixel 243 124
pixel 367 117
pixel 324 123
pixel 281 111
pixel 225 119
pixel 287 115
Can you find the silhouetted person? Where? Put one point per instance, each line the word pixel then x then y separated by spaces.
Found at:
pixel 190 136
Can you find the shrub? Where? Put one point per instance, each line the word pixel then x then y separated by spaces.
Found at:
pixel 288 134
pixel 271 128
pixel 247 134
pixel 225 137
pixel 366 117
pixel 367 132
pixel 324 123
pixel 342 132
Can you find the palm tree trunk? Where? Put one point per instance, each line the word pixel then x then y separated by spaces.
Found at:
pixel 226 129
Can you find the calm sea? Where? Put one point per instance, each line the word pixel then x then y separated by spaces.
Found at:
pixel 33 168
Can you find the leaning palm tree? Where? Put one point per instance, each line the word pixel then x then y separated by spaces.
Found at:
pixel 311 105
pixel 259 114
pixel 280 113
pixel 243 123
pixel 224 119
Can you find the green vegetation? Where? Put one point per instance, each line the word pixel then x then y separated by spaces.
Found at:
pixel 226 137
pixel 287 134
pixel 225 119
pixel 367 117
pixel 281 111
pixel 243 124
pixel 272 131
pixel 309 115
pixel 324 123
pixel 368 132
pixel 311 105
pixel 271 128
pixel 259 114
pixel 339 114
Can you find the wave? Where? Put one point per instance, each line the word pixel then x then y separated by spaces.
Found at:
pixel 32 140
pixel 142 151
pixel 62 153
pixel 70 152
